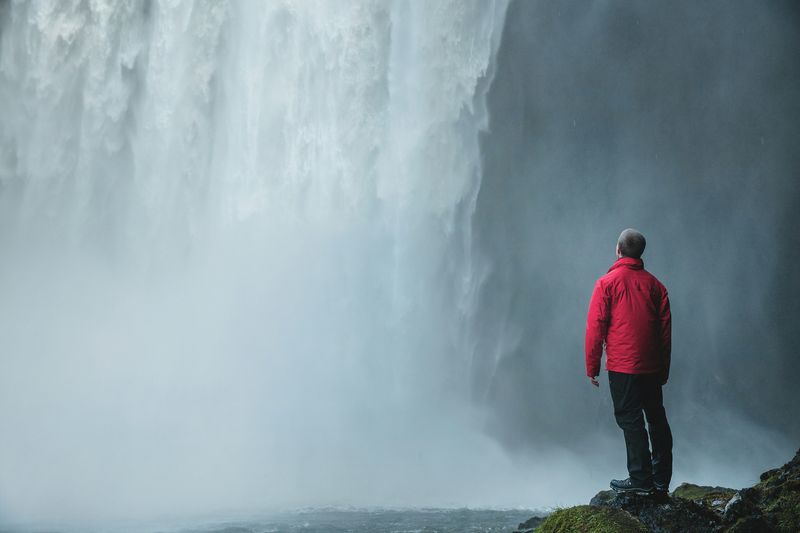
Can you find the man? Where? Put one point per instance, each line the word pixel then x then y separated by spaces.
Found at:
pixel 629 313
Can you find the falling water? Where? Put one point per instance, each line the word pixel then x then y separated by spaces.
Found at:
pixel 237 264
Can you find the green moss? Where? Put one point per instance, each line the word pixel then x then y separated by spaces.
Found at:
pixel 749 524
pixel 740 526
pixel 769 477
pixel 784 510
pixel 712 497
pixel 591 519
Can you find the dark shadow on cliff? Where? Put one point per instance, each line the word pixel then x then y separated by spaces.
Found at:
pixel 679 119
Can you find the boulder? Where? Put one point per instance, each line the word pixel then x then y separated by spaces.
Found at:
pixel 715 498
pixel 772 505
pixel 591 519
pixel 662 513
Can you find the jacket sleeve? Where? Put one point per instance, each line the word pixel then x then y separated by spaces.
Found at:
pixel 596 328
pixel 665 331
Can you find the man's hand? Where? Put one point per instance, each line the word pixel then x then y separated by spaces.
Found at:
pixel 594 381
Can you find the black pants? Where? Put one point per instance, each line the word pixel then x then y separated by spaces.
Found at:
pixel 632 394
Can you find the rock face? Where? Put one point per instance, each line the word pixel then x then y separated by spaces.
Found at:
pixel 662 514
pixel 772 505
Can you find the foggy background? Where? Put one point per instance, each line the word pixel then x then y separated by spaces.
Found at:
pixel 271 255
pixel 682 120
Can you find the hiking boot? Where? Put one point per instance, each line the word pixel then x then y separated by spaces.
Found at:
pixel 630 487
pixel 658 486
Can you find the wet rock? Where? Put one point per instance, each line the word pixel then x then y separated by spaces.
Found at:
pixel 715 498
pixel 771 506
pixel 662 513
pixel 744 503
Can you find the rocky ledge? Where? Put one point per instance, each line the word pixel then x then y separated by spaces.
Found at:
pixel 772 505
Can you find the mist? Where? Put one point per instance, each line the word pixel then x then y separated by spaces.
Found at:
pixel 262 256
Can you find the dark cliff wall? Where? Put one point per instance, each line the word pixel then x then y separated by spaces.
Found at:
pixel 681 119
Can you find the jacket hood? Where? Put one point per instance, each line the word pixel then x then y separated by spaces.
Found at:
pixel 630 262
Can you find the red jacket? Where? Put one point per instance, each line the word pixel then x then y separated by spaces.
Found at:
pixel 629 312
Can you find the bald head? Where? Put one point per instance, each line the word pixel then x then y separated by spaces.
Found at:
pixel 631 243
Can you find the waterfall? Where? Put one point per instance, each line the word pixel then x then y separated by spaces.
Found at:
pixel 237 253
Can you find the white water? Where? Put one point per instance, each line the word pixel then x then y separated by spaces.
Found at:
pixel 236 256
